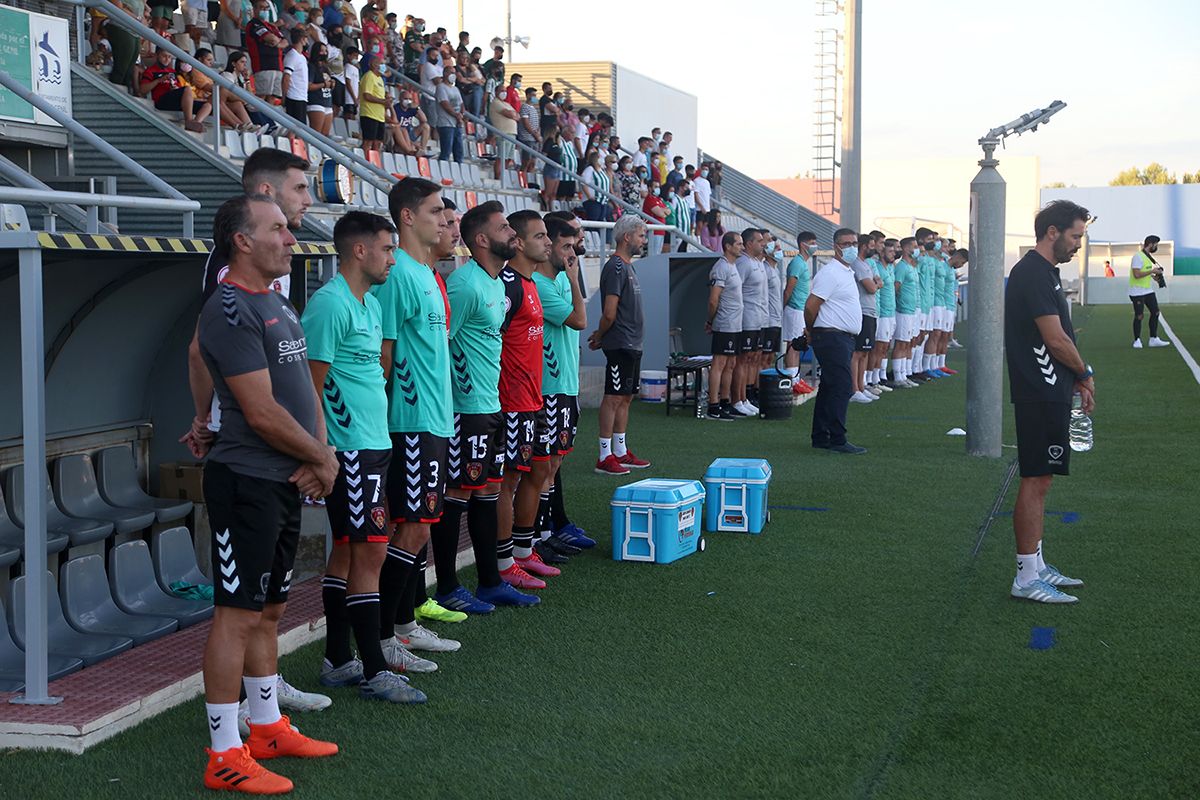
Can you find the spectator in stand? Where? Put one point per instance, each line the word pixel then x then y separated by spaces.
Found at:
pixel 350 107
pixel 548 107
pixel 295 77
pixel 332 17
pixel 232 111
pixel 653 205
pixel 514 92
pixel 470 82
pixel 667 138
pixel 450 118
pixel 495 64
pixel 374 42
pixel 373 98
pixel 414 48
pixel 265 43
pixel 237 71
pixel 642 157
pixel 195 21
pixel 656 135
pixel 320 89
pixel 234 17
pixel 711 230
pixel 667 193
pixel 690 199
pixel 614 145
pixel 529 132
pixel 432 72
pixel 569 159
pixel 595 176
pixel 714 178
pixel 335 62
pixel 414 127
pixel 659 166
pixel 125 47
pixel 503 117
pixel 702 190
pixel 675 176
pixel 681 213
pixel 552 148
pixel 162 84
pixel 464 43
pixel 492 81
pixel 161 13
pixel 395 42
pixel 631 187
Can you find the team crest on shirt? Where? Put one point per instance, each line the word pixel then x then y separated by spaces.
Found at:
pixel 474 470
pixel 526 452
pixel 563 436
pixel 378 517
pixel 289 313
pixel 431 500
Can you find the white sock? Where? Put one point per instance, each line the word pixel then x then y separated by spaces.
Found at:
pixel 906 367
pixel 1027 568
pixel 404 628
pixel 1041 562
pixel 917 353
pixel 883 368
pixel 264 702
pixel 605 448
pixel 928 362
pixel 505 563
pixel 791 372
pixel 222 726
pixel 942 360
pixel 522 552
pixel 618 444
pixel 880 373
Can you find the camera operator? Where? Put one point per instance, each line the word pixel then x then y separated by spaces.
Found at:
pixel 1142 271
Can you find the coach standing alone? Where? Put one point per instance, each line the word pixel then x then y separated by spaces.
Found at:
pixel 833 318
pixel 1045 371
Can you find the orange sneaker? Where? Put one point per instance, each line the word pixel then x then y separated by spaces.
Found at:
pixel 534 565
pixel 280 739
pixel 235 770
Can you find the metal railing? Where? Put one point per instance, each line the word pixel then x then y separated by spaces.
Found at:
pixel 92 203
pixel 544 159
pixel 137 170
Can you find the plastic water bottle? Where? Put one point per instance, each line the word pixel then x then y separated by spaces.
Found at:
pixel 702 394
pixel 1081 426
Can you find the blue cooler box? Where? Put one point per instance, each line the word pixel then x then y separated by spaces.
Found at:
pixel 737 494
pixel 657 520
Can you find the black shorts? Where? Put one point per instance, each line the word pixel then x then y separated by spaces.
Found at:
pixel 350 110
pixel 171 101
pixel 416 478
pixel 866 337
pixel 255 530
pixel 1043 438
pixel 296 109
pixel 372 129
pixel 1141 301
pixel 624 373
pixel 357 506
pixel 750 341
pixel 521 430
pixel 339 94
pixel 724 344
pixel 472 453
pixel 568 431
pixel 771 338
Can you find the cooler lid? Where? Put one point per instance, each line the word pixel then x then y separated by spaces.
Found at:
pixel 658 492
pixel 741 470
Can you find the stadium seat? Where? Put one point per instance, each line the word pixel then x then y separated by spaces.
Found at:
pixel 233 143
pixel 220 55
pixel 340 129
pixel 89 608
pixel 250 142
pixel 118 483
pixel 58 524
pixel 472 199
pixel 136 590
pixel 76 493
pixel 315 157
pixel 63 640
pixel 9 555
pixel 424 168
pixel 174 557
pixel 12 661
pixel 12 538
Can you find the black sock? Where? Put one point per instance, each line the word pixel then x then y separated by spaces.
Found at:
pixel 1154 326
pixel 558 511
pixel 398 567
pixel 504 549
pixel 363 610
pixel 337 620
pixel 1137 328
pixel 543 523
pixel 481 524
pixel 406 611
pixel 445 544
pixel 419 595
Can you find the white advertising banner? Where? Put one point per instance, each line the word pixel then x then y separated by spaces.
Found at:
pixel 35 49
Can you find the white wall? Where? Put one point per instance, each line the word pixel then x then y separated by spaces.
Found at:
pixel 939 190
pixel 643 104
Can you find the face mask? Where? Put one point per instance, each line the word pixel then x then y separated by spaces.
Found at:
pixel 406 103
pixel 263 14
pixel 559 101
pixel 301 16
pixel 452 79
pixel 929 247
pixel 679 167
pixel 850 253
pixel 771 247
pixel 432 59
pixel 419 27
pixel 517 85
pixel 703 173
pixel 937 246
pixel 185 67
pixel 654 191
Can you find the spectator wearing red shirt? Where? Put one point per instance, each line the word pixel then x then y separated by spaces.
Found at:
pixel 513 96
pixel 266 43
pixel 161 83
pixel 655 207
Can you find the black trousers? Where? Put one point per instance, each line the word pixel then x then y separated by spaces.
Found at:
pixel 833 349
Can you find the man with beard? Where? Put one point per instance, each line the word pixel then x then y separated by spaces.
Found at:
pixel 1045 370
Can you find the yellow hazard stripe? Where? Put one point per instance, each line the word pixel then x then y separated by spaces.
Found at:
pixel 153 244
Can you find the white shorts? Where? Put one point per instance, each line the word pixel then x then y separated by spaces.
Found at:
pixel 885 330
pixel 948 315
pixel 923 320
pixel 793 323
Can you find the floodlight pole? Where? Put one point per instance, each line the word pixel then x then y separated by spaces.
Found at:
pixel 985 306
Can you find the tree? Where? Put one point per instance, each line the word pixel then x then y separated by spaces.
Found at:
pixel 1191 177
pixel 1154 174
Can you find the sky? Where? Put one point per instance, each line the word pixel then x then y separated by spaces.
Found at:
pixel 1127 71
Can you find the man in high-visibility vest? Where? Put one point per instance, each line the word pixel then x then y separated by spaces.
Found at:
pixel 1143 271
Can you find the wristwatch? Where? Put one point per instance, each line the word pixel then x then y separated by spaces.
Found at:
pixel 1087 372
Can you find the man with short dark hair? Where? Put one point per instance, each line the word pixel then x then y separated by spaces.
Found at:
pixel 295 77
pixel 926 277
pixel 754 318
pixel 908 309
pixel 724 322
pixel 795 295
pixel 832 319
pixel 675 176
pixel 1143 271
pixel 1045 372
pixel 271 449
pixel 620 334
pixel 864 342
pixel 265 44
pixel 416 364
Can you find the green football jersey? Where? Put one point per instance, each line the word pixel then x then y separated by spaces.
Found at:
pixel 560 344
pixel 927 272
pixel 950 287
pixel 885 298
pixel 908 297
pixel 476 316
pixel 414 315
pixel 347 335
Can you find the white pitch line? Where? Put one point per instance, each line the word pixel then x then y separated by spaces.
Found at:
pixel 1183 351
